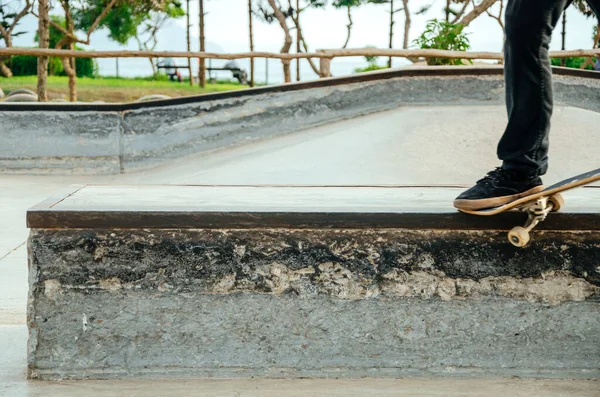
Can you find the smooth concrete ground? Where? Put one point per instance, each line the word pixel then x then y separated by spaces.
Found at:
pixel 416 145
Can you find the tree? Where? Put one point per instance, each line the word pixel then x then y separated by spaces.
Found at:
pixel 274 10
pixel 73 8
pixel 407 21
pixel 585 9
pixel 452 15
pixel 43 40
pixel 295 16
pixel 479 7
pixel 498 18
pixel 10 16
pixel 146 35
pixel 442 35
pixel 251 33
pixel 281 16
pixel 202 61
pixel 134 19
pixel 121 17
pixel 348 4
pixel 187 35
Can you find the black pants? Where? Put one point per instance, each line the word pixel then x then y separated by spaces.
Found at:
pixel 528 76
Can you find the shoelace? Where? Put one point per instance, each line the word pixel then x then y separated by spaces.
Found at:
pixel 494 176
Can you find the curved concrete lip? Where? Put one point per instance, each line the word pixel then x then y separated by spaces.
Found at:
pixel 424 71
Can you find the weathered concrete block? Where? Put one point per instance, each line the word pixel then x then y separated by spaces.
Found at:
pixel 109 303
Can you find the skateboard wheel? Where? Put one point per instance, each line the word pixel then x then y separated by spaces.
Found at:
pixel 518 236
pixel 557 202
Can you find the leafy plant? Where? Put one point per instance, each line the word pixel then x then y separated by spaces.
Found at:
pixel 370 68
pixel 575 63
pixel 442 35
pixel 26 65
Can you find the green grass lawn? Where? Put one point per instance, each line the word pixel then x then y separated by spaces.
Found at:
pixel 111 89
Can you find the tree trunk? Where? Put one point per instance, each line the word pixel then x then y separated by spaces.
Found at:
pixel 460 13
pixel 305 46
pixel 477 11
pixel 407 24
pixel 288 40
pixel 69 63
pixel 44 40
pixel 391 31
pixel 69 70
pixel 6 33
pixel 325 67
pixel 498 18
pixel 251 42
pixel 5 70
pixel 189 45
pixel 298 39
pixel 349 27
pixel 202 68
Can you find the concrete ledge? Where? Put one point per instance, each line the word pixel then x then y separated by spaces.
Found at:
pixel 144 135
pixel 169 301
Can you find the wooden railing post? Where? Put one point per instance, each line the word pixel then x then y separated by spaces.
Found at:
pixel 324 64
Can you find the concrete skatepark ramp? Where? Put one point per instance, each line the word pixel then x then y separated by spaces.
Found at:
pixel 392 284
pixel 307 281
pixel 118 138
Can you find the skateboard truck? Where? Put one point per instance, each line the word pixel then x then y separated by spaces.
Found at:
pixel 537 205
pixel 537 212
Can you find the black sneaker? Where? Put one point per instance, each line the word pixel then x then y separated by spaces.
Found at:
pixel 497 188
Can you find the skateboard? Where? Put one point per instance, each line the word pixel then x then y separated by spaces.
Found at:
pixel 538 205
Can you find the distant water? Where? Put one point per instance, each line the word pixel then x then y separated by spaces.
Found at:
pixel 134 67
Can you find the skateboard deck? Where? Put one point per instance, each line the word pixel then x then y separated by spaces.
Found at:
pixel 538 205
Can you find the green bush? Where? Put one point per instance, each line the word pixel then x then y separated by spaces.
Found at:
pixel 441 35
pixel 370 68
pixel 575 63
pixel 22 65
pixel 25 65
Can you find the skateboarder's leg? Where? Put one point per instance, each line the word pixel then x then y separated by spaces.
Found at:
pixel 528 75
pixel 529 25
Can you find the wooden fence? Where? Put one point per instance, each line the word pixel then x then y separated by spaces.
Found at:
pixel 325 56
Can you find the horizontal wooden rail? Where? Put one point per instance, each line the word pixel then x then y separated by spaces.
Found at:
pixel 357 52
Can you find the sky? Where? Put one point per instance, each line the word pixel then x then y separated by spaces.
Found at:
pixel 227 31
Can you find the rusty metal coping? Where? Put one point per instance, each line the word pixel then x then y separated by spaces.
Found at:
pixel 291 206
